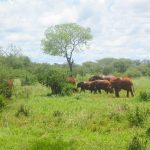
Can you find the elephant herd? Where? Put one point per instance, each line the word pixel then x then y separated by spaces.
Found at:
pixel 110 84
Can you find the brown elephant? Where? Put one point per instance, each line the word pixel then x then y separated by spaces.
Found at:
pixel 102 77
pixel 71 79
pixel 109 77
pixel 122 83
pixel 95 77
pixel 84 85
pixel 99 85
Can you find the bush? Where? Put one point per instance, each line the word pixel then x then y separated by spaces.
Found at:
pixel 67 89
pixel 5 88
pixel 56 80
pixel 144 96
pixel 2 104
pixel 136 118
pixel 137 143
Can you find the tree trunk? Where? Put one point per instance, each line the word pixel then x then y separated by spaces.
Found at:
pixel 70 64
pixel 70 61
pixel 70 67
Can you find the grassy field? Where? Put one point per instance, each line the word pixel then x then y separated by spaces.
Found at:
pixel 31 120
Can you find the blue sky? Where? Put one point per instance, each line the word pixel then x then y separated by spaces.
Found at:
pixel 120 28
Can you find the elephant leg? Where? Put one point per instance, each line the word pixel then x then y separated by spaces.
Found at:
pixel 92 91
pixel 82 89
pixel 117 93
pixel 127 93
pixel 131 91
pixel 95 91
pixel 99 91
pixel 106 91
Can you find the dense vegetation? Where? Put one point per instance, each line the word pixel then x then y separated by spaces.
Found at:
pixel 21 67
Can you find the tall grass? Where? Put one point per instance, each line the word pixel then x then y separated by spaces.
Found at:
pixel 83 121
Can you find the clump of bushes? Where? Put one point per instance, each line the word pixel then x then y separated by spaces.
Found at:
pixel 22 110
pixel 137 143
pixel 56 80
pixel 2 104
pixel 67 89
pixel 144 96
pixel 136 117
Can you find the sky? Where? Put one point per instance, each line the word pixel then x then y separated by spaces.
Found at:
pixel 120 28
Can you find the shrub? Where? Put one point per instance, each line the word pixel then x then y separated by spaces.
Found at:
pixel 136 118
pixel 144 96
pixel 5 88
pixel 2 104
pixel 22 110
pixel 67 89
pixel 56 80
pixel 137 143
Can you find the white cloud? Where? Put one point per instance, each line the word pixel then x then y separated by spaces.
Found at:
pixel 120 28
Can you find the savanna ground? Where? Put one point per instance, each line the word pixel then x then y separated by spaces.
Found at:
pixel 32 120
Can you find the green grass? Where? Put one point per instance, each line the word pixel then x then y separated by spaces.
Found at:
pixel 83 121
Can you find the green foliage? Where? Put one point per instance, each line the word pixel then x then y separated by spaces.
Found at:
pixel 2 104
pixel 61 38
pixel 107 70
pixel 115 116
pixel 49 144
pixel 56 79
pixel 121 65
pixel 144 96
pixel 22 110
pixel 65 39
pixel 28 80
pixel 67 89
pixel 133 72
pixel 138 143
pixel 5 89
pixel 136 117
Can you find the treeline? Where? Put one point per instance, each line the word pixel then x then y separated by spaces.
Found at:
pixel 118 67
pixel 22 67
